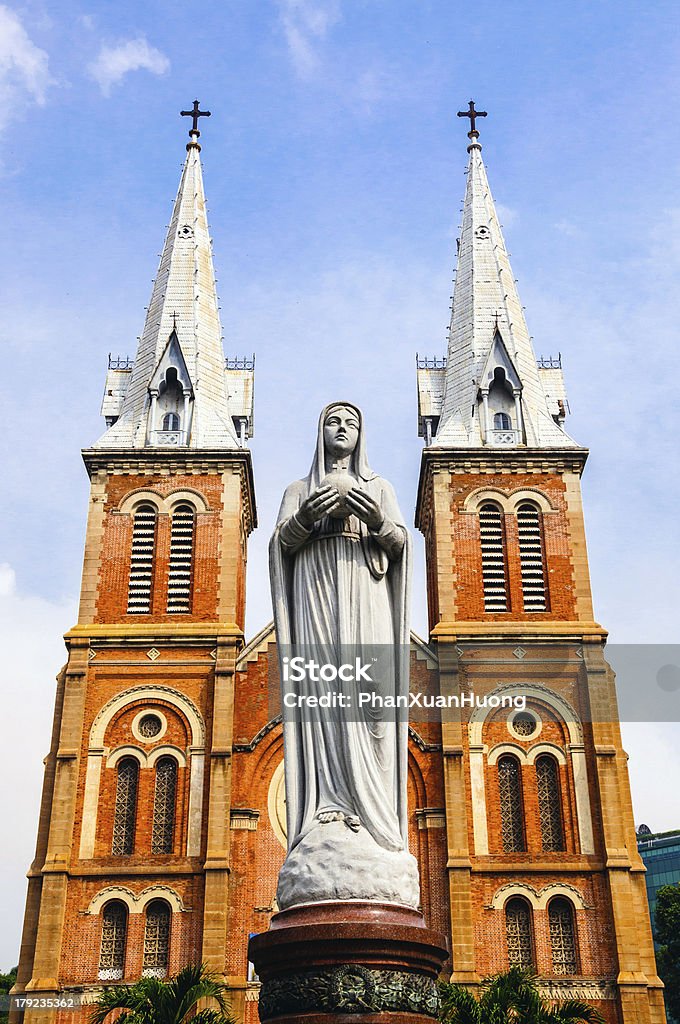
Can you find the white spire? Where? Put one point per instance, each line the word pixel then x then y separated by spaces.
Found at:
pixel 492 379
pixel 179 369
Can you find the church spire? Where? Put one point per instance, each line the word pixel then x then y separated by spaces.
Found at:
pixel 491 391
pixel 175 394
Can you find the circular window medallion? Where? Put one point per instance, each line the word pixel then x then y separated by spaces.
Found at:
pixel 524 724
pixel 148 726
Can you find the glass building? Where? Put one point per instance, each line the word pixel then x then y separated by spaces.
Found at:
pixel 660 853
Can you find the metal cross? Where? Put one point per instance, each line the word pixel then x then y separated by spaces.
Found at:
pixel 472 114
pixel 195 113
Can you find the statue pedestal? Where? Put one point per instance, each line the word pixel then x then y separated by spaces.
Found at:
pixel 348 963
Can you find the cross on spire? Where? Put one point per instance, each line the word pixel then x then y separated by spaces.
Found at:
pixel 194 113
pixel 473 115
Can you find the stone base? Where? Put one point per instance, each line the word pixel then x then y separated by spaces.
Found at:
pixel 332 863
pixel 342 962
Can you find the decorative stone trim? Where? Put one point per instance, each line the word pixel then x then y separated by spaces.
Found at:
pixel 136 904
pixel 431 817
pixel 244 818
pixel 507 501
pixel 349 989
pixel 163 504
pixel 142 714
pixel 538 899
pixel 148 693
pixel 526 756
pixel 529 713
pixel 577 988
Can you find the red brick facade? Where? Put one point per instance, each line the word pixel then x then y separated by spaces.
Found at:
pixel 216 701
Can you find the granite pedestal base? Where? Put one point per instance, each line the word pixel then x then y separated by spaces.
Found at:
pixel 348 963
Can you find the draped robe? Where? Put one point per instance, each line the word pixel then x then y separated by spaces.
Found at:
pixel 339 583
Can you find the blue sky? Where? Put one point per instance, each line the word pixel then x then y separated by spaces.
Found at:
pixel 333 165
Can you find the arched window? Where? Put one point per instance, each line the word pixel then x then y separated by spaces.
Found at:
pixel 181 559
pixel 518 933
pixel 562 936
pixel 171 421
pixel 162 832
pixel 141 562
pixel 512 812
pixel 125 810
pixel 114 935
pixel 494 576
pixel 549 802
pixel 156 940
pixel 502 421
pixel 531 560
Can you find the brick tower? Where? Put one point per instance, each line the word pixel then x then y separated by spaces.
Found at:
pixel 542 863
pixel 131 868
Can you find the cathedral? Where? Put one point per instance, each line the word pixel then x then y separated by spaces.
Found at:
pixel 162 823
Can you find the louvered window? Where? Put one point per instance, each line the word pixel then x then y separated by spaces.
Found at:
pixel 549 803
pixel 164 806
pixel 518 933
pixel 494 576
pixel 126 808
pixel 114 934
pixel 156 940
pixel 141 562
pixel 562 937
pixel 512 812
pixel 532 563
pixel 181 559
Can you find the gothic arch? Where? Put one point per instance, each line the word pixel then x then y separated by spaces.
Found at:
pixel 150 693
pixel 189 495
pixel 575 749
pixel 166 750
pixel 96 752
pixel 525 756
pixel 545 748
pixel 162 503
pixel 128 503
pixel 540 498
pixel 538 899
pixel 128 750
pixel 136 904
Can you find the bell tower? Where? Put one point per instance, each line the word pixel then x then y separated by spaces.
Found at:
pixel 132 860
pixel 542 863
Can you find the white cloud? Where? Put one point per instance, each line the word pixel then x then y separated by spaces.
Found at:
pixel 114 62
pixel 24 67
pixel 31 632
pixel 8 580
pixel 506 215
pixel 306 24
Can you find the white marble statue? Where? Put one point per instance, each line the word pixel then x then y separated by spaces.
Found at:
pixel 339 566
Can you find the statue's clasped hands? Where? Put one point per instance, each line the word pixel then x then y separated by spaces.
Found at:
pixel 326 499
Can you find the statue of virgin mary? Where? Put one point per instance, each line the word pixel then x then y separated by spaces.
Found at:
pixel 340 568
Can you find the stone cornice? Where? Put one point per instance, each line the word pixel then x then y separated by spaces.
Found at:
pixel 451 632
pixel 496 462
pixel 175 634
pixel 149 461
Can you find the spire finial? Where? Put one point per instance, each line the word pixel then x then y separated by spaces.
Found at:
pixel 473 114
pixel 194 133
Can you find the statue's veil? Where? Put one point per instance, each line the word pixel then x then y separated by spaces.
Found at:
pixel 359 461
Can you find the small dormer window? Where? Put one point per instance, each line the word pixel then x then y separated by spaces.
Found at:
pixel 171 421
pixel 502 421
